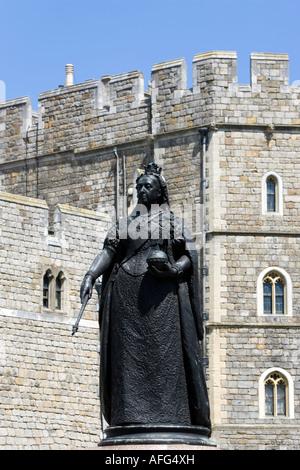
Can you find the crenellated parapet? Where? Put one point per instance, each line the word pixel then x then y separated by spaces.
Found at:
pixel 116 109
pixel 176 107
pixel 270 72
pixel 79 118
pixel 122 92
pixel 94 114
pixel 217 97
pixel 214 70
pixel 16 119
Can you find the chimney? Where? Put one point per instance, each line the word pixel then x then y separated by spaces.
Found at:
pixel 69 74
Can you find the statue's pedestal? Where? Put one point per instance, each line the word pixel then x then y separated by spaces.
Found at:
pixel 157 436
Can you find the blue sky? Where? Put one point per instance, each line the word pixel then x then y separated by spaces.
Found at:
pixel 106 37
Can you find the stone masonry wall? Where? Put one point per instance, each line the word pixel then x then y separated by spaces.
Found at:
pixel 49 380
pixel 244 157
pixel 243 241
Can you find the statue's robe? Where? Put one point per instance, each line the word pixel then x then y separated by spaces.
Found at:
pixel 151 366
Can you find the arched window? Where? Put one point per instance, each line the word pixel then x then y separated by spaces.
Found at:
pixel 272 194
pixel 53 298
pixel 276 394
pixel 58 292
pixel 46 288
pixel 274 292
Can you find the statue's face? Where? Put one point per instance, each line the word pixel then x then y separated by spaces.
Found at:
pixel 148 190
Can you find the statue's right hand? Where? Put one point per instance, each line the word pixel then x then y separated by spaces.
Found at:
pixel 86 288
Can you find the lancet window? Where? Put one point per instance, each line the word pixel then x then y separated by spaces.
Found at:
pixel 274 294
pixel 275 395
pixel 271 194
pixel 272 199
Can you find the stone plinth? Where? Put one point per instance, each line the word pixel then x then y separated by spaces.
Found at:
pixel 158 436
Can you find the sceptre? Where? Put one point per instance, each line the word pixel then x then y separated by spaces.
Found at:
pixel 75 326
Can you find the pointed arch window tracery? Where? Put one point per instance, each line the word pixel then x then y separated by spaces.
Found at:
pixel 274 293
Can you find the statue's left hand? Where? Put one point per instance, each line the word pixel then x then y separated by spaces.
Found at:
pixel 167 272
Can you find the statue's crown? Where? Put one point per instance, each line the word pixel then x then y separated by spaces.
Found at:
pixel 152 168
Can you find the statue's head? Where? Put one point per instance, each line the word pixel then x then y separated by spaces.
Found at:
pixel 157 187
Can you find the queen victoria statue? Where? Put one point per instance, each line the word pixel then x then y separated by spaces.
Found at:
pixel 152 383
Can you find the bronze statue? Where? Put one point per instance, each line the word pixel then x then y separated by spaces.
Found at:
pixel 151 368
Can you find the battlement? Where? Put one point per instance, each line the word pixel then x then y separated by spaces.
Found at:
pixel 116 110
pixel 217 97
pixel 270 71
pixel 16 118
pixel 108 94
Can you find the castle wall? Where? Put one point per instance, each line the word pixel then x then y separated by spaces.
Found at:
pixel 49 380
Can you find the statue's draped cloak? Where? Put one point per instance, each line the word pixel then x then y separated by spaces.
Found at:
pixel 151 367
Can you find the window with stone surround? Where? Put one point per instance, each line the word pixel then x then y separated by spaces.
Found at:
pixel 53 297
pixel 59 291
pixel 276 394
pixel 47 280
pixel 274 292
pixel 272 201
